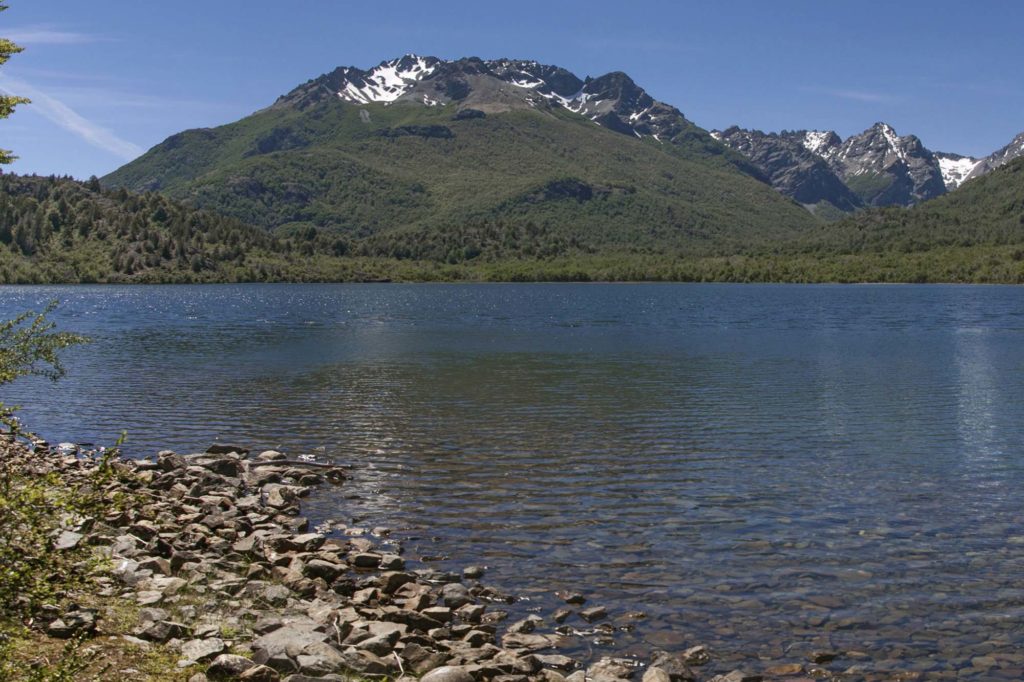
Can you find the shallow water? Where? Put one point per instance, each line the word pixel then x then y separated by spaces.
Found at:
pixel 763 469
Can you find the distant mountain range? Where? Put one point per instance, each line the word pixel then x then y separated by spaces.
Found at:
pixel 426 169
pixel 487 161
pixel 875 168
pixel 447 160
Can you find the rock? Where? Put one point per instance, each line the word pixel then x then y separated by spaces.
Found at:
pixel 473 572
pixel 271 456
pixel 525 626
pixel 280 496
pixel 528 642
pixel 561 615
pixel 785 670
pixel 68 540
pixel 290 640
pixel 308 542
pixel 477 638
pixel 164 630
pixel 168 461
pixel 656 675
pixel 471 613
pixel 697 655
pixel 223 466
pixel 675 666
pixel 318 568
pixel 382 644
pixel 392 562
pixel 228 666
pixel 547 675
pixel 736 676
pixel 593 614
pixel 321 658
pixel 74 622
pixel 219 449
pixel 448 673
pixel 366 560
pixel 571 597
pixel 556 661
pixel 199 650
pixel 260 673
pixel 276 595
pixel 455 595
pixel 821 657
pixel 608 669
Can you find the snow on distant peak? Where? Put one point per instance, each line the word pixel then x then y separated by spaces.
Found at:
pixel 955 169
pixel 389 81
pixel 893 141
pixel 816 141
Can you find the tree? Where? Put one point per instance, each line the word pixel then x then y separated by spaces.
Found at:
pixel 8 102
pixel 29 346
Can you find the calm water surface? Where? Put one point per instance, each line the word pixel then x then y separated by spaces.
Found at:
pixel 763 469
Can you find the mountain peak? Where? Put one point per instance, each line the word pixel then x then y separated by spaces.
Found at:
pixel 613 100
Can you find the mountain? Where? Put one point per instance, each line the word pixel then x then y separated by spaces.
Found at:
pixel 876 167
pixel 793 168
pixel 422 158
pixel 987 211
pixel 882 168
pixel 999 158
pixel 956 169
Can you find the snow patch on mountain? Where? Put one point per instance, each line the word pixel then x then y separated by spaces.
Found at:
pixel 955 168
pixel 894 141
pixel 816 141
pixel 387 82
pixel 612 100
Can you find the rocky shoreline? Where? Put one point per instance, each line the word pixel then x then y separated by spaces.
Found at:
pixel 228 575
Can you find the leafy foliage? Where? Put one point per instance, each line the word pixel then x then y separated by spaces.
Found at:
pixel 29 346
pixel 8 102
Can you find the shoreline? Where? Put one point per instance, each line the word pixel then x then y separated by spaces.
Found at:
pixel 224 576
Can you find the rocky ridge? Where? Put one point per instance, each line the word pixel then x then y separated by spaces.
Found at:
pixel 875 168
pixel 613 100
pixel 226 573
pixel 998 158
pixel 792 168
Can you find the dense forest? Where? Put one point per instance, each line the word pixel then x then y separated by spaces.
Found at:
pixel 62 230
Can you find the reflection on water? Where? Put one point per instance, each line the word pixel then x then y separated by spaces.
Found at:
pixel 763 469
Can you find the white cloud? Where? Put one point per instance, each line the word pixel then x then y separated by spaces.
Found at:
pixel 855 95
pixel 46 35
pixel 70 120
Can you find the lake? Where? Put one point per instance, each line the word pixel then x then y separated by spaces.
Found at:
pixel 766 470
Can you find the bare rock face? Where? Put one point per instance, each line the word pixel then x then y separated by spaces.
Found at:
pixel 477 88
pixel 875 168
pixel 884 169
pixel 1001 157
pixel 791 168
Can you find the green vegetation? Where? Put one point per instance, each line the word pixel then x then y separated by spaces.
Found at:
pixel 29 346
pixel 987 211
pixel 409 182
pixel 8 102
pixel 34 508
pixel 975 234
pixel 60 230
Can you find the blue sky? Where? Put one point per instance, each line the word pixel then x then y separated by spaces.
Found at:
pixel 113 78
